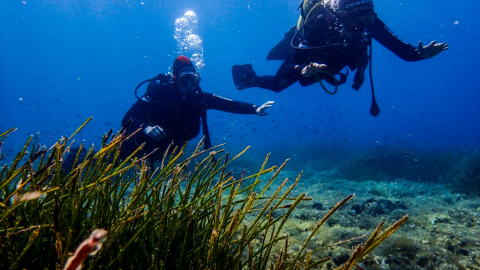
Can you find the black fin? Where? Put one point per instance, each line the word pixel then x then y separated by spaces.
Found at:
pixel 283 48
pixel 238 74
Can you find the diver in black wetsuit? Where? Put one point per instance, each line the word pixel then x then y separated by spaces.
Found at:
pixel 332 35
pixel 172 110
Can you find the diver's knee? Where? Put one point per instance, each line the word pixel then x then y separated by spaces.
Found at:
pixel 281 85
pixel 278 89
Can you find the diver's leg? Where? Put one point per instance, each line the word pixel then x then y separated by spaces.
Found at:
pixel 274 83
pixel 286 75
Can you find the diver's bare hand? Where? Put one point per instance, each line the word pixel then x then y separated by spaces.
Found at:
pixel 261 110
pixel 155 132
pixel 312 69
pixel 431 49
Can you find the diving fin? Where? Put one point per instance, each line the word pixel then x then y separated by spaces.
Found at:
pixel 242 76
pixel 283 48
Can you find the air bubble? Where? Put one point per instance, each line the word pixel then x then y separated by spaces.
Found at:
pixel 189 42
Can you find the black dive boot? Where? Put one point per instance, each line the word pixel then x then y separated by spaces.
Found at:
pixel 243 76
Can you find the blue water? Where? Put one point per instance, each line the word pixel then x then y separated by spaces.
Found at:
pixel 65 60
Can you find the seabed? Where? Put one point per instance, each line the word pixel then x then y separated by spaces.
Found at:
pixel 442 232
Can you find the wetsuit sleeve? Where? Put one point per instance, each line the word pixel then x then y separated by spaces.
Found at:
pixel 215 102
pixel 139 115
pixel 389 40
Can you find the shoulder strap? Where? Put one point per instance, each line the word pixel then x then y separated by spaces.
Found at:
pixel 207 144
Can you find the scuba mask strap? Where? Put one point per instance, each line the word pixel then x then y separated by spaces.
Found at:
pixel 374 109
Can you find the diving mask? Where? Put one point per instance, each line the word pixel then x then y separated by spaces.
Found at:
pixel 188 79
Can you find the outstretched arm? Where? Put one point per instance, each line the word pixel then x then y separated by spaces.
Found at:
pixel 407 52
pixel 216 102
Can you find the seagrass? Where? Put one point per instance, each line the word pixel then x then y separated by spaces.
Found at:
pixel 173 217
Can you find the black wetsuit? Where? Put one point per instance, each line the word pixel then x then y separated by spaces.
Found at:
pixel 178 115
pixel 336 57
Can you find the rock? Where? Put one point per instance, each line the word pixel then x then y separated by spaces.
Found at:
pixel 378 207
pixel 357 209
pixel 422 260
pixel 463 252
pixel 425 259
pixel 317 206
pixel 443 219
pixel 400 205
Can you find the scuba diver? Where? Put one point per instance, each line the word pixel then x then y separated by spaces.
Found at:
pixel 171 111
pixel 331 35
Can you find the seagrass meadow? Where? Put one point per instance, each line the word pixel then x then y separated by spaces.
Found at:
pixel 188 213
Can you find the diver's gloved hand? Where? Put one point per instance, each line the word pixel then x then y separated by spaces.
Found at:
pixel 431 49
pixel 261 110
pixel 155 132
pixel 312 69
